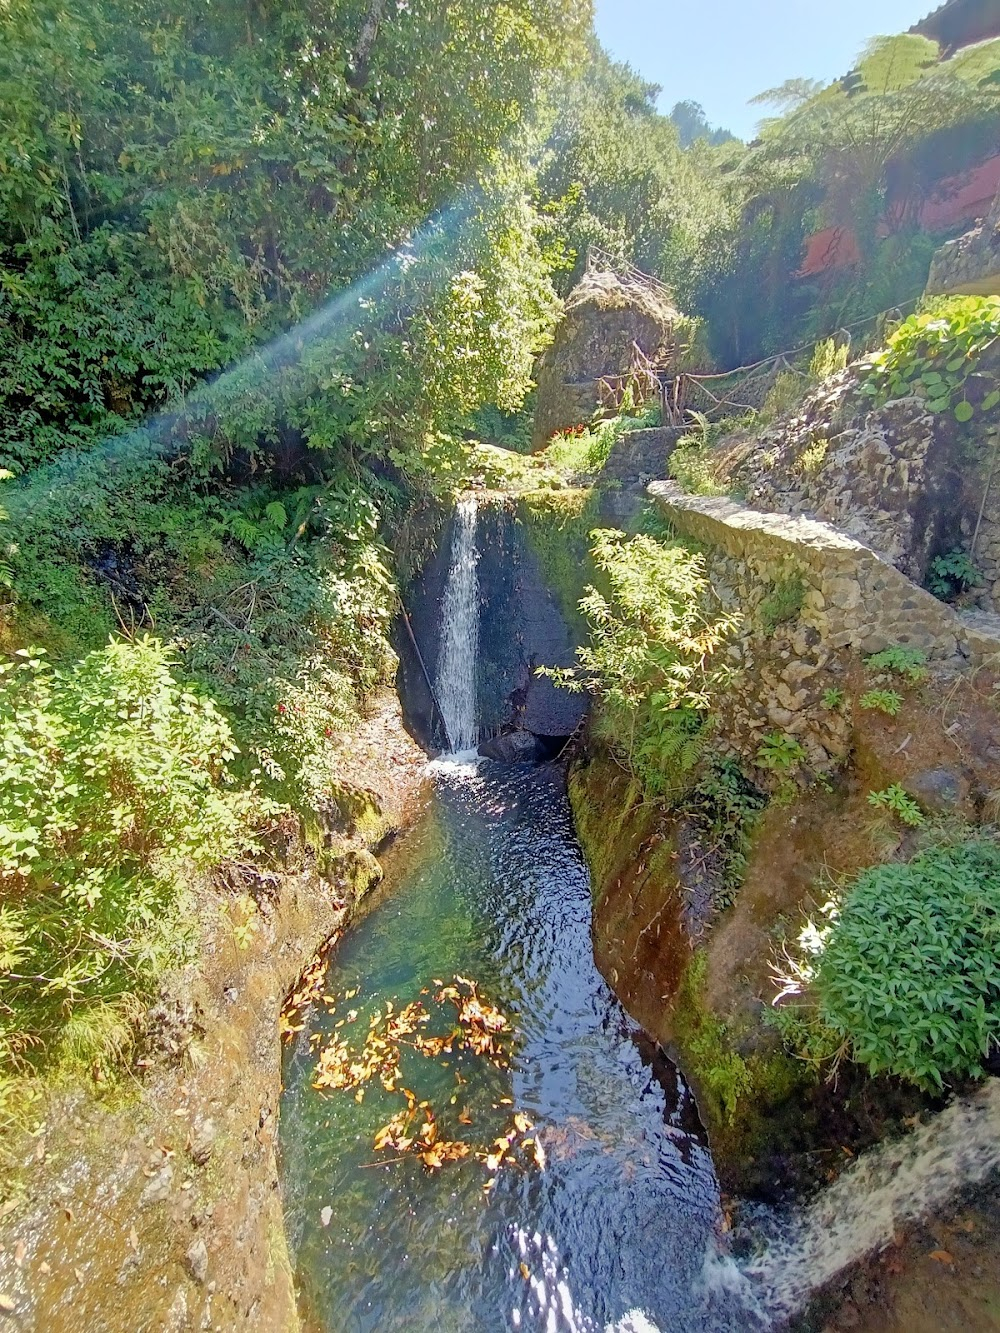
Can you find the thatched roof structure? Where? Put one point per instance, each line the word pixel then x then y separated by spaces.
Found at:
pixel 620 327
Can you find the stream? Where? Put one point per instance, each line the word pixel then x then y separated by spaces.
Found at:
pixel 624 1216
pixel 585 1196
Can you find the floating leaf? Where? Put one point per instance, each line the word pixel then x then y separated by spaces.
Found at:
pixel 964 410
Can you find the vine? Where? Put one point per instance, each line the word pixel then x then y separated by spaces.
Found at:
pixel 935 353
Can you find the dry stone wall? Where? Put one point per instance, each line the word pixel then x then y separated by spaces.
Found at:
pixel 805 601
pixel 852 598
pixel 970 264
pixel 909 483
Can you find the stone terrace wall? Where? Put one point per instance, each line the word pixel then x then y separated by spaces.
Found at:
pixel 853 599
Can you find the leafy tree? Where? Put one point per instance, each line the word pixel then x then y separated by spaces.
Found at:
pixel 181 184
pixel 612 173
pixel 691 124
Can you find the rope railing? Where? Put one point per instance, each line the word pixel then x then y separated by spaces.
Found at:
pixel 742 389
pixel 602 261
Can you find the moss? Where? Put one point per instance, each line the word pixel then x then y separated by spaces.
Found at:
pixel 736 1088
pixel 720 1073
pixel 557 525
pixel 605 803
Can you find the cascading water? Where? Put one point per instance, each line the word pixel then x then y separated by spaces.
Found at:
pixel 457 659
pixel 890 1185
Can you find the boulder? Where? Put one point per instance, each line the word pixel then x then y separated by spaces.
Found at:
pixel 515 747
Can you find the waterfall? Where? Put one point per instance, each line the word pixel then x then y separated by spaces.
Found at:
pixel 891 1184
pixel 459 653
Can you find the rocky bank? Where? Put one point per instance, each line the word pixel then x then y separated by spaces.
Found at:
pixel 158 1206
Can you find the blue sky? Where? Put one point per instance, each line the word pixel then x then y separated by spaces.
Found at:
pixel 721 52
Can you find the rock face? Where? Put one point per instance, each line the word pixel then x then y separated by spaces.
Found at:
pixel 609 326
pixel 521 628
pixel 969 265
pixel 170 1208
pixel 909 483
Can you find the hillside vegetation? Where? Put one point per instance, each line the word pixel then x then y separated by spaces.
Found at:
pixel 265 273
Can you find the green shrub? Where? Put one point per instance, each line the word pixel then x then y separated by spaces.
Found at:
pixel 280 600
pixel 780 753
pixel 586 449
pixel 651 636
pixel 882 701
pixel 933 354
pixel 783 603
pixel 903 661
pixel 827 359
pixel 690 464
pixel 952 574
pixel 784 396
pixel 909 971
pixel 725 805
pixel 112 790
pixel 898 801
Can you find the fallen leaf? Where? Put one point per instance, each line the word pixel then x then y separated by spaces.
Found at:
pixel 80 1275
pixel 521 1123
pixel 525 1270
pixel 44 1268
pixel 133 1239
pixel 6 1304
pixel 20 1252
pixel 942 1256
pixel 325 1214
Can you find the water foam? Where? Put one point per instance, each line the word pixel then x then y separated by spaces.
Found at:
pixel 892 1184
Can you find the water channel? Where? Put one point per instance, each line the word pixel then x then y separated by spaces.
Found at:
pixel 624 1215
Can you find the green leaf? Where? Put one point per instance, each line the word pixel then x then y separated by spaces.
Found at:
pixel 964 410
pixel 991 400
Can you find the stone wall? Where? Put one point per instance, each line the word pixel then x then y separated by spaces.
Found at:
pixel 853 599
pixel 909 483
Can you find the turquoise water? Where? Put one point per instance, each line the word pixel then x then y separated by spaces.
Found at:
pixel 623 1216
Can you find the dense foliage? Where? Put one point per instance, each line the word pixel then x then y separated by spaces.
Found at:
pixel 262 271
pixel 649 641
pixel 180 185
pixel 258 266
pixel 908 971
pixel 112 789
pixel 861 155
pixel 936 354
